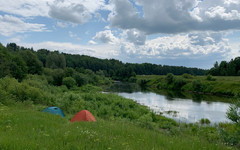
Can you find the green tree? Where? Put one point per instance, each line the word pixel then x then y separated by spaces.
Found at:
pixel 34 65
pixel 55 60
pixel 11 65
pixel 69 82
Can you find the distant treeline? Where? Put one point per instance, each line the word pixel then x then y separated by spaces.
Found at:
pixel 17 61
pixel 231 68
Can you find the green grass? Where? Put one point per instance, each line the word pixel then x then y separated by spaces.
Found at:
pixel 224 86
pixel 121 123
pixel 27 128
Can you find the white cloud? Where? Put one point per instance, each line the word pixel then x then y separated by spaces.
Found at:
pixel 175 16
pixel 92 42
pixel 62 24
pixel 220 12
pixel 10 25
pixel 72 35
pixel 26 8
pixel 135 36
pixel 229 2
pixel 76 11
pixel 106 37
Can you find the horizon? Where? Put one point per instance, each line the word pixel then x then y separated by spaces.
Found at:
pixel 185 33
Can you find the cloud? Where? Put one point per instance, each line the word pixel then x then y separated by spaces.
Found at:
pixel 199 49
pixel 26 8
pixel 175 16
pixel 92 42
pixel 75 13
pixel 106 37
pixel 10 25
pixel 136 37
pixel 220 12
pixel 62 24
pixel 72 35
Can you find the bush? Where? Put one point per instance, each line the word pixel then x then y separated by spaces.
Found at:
pixel 69 82
pixel 233 112
pixel 187 76
pixel 205 121
pixel 169 78
pixel 210 78
pixel 178 83
pixel 197 85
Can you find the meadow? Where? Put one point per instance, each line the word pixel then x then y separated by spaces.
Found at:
pixel 212 85
pixel 121 123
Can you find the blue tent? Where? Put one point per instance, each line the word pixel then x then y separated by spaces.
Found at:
pixel 54 110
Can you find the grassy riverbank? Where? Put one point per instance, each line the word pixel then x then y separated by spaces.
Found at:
pixel 228 86
pixel 121 123
pixel 25 127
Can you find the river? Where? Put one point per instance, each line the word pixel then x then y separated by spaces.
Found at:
pixel 180 107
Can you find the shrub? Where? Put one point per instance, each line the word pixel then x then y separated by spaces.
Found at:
pixel 178 83
pixel 169 78
pixel 233 112
pixel 210 78
pixel 69 82
pixel 197 85
pixel 205 121
pixel 187 76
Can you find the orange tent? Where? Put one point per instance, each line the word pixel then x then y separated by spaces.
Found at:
pixel 83 115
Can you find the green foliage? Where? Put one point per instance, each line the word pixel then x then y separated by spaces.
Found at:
pixel 197 85
pixel 22 91
pixel 26 127
pixel 210 78
pixel 169 78
pixel 34 65
pixel 11 65
pixel 69 82
pixel 230 134
pixel 233 112
pixel 142 82
pixel 55 60
pixel 225 68
pixel 205 121
pixel 178 83
pixel 187 76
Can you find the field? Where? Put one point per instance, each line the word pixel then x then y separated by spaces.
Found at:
pixel 26 127
pixel 121 123
pixel 217 85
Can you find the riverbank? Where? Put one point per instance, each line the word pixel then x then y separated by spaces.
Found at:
pixel 25 127
pixel 121 123
pixel 221 86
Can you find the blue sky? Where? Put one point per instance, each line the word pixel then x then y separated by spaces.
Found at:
pixel 192 33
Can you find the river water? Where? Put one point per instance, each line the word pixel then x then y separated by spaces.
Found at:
pixel 181 108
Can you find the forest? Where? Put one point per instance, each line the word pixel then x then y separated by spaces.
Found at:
pixel 18 61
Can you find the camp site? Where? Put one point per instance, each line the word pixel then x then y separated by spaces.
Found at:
pixel 120 75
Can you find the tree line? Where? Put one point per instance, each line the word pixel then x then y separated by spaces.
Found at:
pixel 19 61
pixel 231 68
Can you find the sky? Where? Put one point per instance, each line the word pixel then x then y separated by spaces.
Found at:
pixel 191 33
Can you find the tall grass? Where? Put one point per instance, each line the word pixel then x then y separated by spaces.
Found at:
pixel 121 123
pixel 26 128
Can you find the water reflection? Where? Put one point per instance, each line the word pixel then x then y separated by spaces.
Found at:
pixel 189 107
